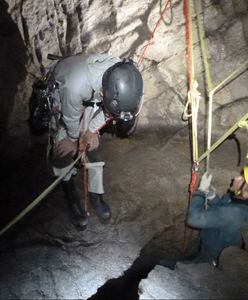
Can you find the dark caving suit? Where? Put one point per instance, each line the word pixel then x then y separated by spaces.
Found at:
pixel 221 223
pixel 219 219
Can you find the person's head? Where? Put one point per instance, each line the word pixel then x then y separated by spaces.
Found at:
pixel 122 88
pixel 239 185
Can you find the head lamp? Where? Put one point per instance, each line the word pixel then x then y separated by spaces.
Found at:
pixel 125 116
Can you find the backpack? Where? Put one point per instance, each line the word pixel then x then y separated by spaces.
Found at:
pixel 41 103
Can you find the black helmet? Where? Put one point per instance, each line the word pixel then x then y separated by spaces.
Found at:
pixel 122 90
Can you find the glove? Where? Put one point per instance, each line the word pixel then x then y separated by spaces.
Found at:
pixel 88 140
pixel 66 146
pixel 211 193
pixel 205 182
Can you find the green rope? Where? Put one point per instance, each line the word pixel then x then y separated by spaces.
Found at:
pixel 232 76
pixel 39 198
pixel 223 138
pixel 203 47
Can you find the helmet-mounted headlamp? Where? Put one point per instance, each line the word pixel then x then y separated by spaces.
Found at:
pixel 126 116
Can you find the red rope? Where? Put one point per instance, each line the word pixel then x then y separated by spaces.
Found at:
pixel 188 50
pixel 106 123
pixel 152 33
pixel 192 186
pixel 85 179
pixel 85 187
pixel 194 171
pixel 192 183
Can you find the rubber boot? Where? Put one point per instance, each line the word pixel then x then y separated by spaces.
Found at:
pixel 101 208
pixel 78 214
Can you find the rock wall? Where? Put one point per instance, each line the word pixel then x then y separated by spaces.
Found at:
pixel 32 29
pixel 147 176
pixel 193 281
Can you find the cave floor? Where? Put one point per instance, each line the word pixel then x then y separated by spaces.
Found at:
pixel 146 179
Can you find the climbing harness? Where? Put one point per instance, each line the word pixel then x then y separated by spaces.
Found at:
pixel 37 200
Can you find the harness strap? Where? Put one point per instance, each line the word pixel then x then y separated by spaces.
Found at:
pixel 92 104
pixel 85 187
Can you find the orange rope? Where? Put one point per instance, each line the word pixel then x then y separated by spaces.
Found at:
pixel 85 187
pixel 186 15
pixel 194 170
pixel 152 33
pixel 192 185
pixel 110 118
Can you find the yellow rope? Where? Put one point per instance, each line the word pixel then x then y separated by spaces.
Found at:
pixel 232 76
pixel 39 198
pixel 196 97
pixel 203 47
pixel 193 95
pixel 237 125
pixel 210 121
pixel 243 124
pixel 207 77
pixel 210 89
pixel 191 45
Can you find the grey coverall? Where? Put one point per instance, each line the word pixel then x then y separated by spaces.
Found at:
pixel 79 78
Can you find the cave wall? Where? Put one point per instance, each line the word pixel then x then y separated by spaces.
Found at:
pixel 32 29
pixel 49 251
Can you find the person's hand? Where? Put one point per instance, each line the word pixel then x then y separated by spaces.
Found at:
pixel 211 193
pixel 88 140
pixel 67 146
pixel 205 182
